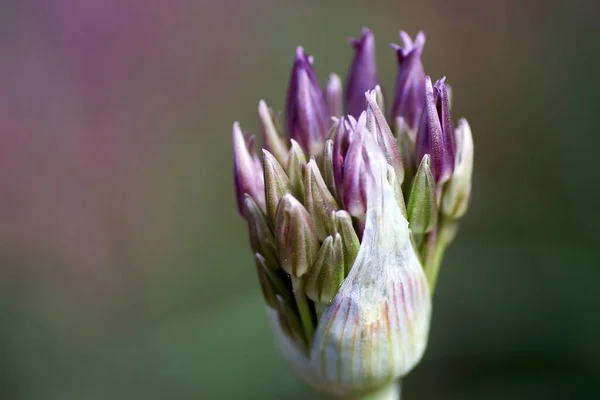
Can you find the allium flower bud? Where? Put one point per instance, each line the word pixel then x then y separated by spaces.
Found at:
pixel 341 142
pixel 355 179
pixel 409 98
pixel 297 242
pixel 277 183
pixel 333 96
pixel 327 273
pixel 422 206
pixel 319 201
pixel 346 268
pixel 436 135
pixel 458 190
pixel 343 221
pixel 380 317
pixel 247 172
pixel 306 113
pixel 261 237
pixel 328 173
pixel 362 76
pixel 296 162
pixel 271 285
pixel 274 142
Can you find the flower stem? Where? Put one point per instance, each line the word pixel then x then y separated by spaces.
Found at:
pixel 388 392
pixel 444 236
pixel 303 310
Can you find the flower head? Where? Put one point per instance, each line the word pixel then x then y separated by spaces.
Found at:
pixel 347 266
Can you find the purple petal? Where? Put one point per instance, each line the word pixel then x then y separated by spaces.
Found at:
pixel 362 75
pixel 409 98
pixel 306 112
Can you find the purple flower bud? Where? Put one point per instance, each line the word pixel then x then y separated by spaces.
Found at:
pixel 306 112
pixel 362 75
pixel 333 96
pixel 409 98
pixel 363 158
pixel 436 135
pixel 341 143
pixel 247 170
pixel 442 104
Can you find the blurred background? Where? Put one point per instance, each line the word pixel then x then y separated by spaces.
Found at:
pixel 125 271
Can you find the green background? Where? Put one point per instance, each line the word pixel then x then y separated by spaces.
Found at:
pixel 125 270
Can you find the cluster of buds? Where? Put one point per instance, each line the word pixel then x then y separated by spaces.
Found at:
pixel 349 219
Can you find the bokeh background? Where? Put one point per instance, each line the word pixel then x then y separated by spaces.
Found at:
pixel 125 271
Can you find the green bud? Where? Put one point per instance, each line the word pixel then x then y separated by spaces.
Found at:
pixel 296 161
pixel 266 285
pixel 458 189
pixel 277 183
pixel 319 201
pixel 422 207
pixel 328 175
pixel 274 142
pixel 261 237
pixel 297 242
pixel 327 273
pixel 397 186
pixel 406 146
pixel 290 323
pixel 349 238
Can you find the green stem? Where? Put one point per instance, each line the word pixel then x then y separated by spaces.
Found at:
pixel 388 392
pixel 444 236
pixel 303 310
pixel 433 264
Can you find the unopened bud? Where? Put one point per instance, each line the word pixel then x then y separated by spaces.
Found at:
pixel 333 96
pixel 422 206
pixel 458 190
pixel 297 242
pixel 261 237
pixel 436 135
pixel 327 273
pixel 277 184
pixel 409 98
pixel 354 188
pixel 319 201
pixel 246 170
pixel 362 76
pixel 328 174
pixel 379 318
pixel 349 238
pixel 296 161
pixel 306 113
pixel 274 142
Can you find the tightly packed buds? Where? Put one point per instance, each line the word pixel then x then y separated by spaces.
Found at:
pixel 347 267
